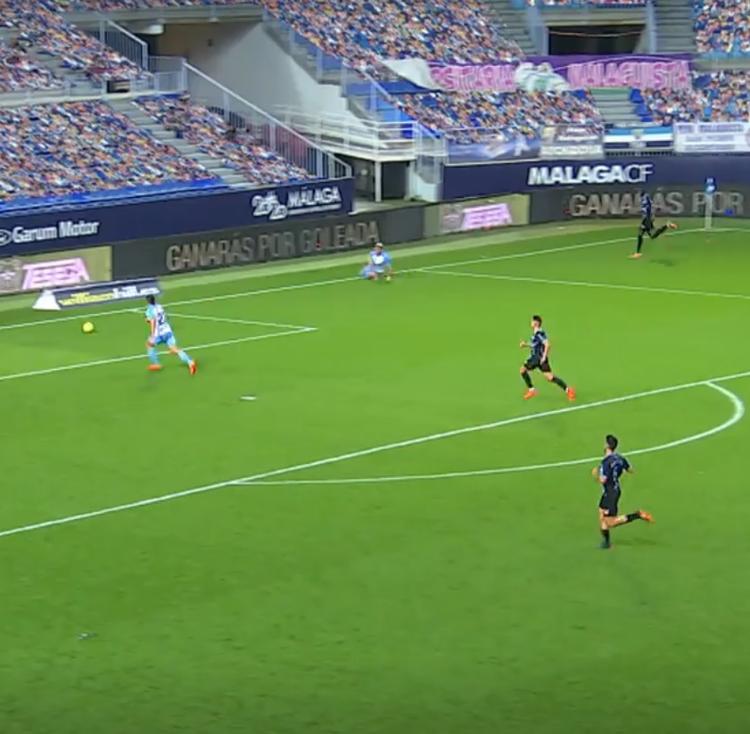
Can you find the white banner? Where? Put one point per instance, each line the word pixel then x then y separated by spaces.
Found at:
pixel 712 137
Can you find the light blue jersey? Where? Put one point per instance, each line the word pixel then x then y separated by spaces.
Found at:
pixel 378 263
pixel 161 330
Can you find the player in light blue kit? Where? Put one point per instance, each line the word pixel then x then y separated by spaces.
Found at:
pixel 378 264
pixel 161 333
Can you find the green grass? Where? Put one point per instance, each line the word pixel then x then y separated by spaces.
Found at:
pixel 469 604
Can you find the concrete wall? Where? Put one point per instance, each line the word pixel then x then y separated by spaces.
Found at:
pixel 243 57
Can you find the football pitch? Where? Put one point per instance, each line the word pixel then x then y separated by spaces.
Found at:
pixel 350 521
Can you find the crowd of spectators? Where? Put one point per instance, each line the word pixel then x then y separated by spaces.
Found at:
pixel 722 27
pixel 236 148
pixel 467 117
pixel 42 27
pixel 110 5
pixel 716 97
pixel 581 3
pixel 362 32
pixel 80 147
pixel 19 72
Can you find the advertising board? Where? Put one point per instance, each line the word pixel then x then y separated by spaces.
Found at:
pixel 609 202
pixel 24 233
pixel 246 246
pixel 712 137
pixel 572 141
pixel 478 214
pixel 25 273
pixel 466 182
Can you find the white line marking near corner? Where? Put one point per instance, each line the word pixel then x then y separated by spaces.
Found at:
pixel 248 397
pixel 330 281
pixel 256 478
pixel 587 284
pixel 131 357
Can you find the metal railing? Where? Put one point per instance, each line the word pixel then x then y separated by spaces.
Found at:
pixel 359 138
pixel 267 130
pixel 168 74
pixel 123 41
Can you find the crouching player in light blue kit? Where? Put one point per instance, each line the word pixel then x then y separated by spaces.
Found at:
pixel 161 333
pixel 378 264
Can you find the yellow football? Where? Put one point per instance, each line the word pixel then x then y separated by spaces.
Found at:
pixel 88 328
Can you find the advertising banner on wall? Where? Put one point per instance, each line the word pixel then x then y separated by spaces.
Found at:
pixel 712 137
pixel 607 203
pixel 468 182
pixel 479 214
pixel 24 233
pixel 561 73
pixel 493 148
pixel 24 273
pixel 572 141
pixel 291 239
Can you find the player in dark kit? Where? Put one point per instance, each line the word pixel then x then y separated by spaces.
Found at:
pixel 539 359
pixel 608 474
pixel 647 224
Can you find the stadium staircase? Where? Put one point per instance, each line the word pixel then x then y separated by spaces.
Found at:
pixel 674 26
pixel 616 107
pixel 511 22
pixel 140 118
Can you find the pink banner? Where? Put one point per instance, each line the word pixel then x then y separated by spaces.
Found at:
pixel 561 73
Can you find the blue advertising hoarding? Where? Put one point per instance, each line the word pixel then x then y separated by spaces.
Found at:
pixel 67 228
pixel 463 182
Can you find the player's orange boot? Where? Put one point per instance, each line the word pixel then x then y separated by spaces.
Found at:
pixel 193 367
pixel 635 255
pixel 154 367
pixel 530 393
pixel 571 393
pixel 647 516
pixel 671 225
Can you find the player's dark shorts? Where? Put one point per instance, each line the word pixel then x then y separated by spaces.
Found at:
pixel 609 502
pixel 647 225
pixel 534 363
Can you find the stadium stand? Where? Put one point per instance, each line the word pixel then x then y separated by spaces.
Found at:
pixel 722 27
pixel 108 5
pixel 582 3
pixel 44 32
pixel 78 150
pixel 361 32
pixel 18 71
pixel 467 116
pixel 236 148
pixel 718 96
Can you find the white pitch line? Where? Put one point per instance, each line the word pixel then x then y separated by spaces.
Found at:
pixel 331 281
pixel 243 322
pixel 588 284
pixel 129 358
pixel 351 455
pixel 737 415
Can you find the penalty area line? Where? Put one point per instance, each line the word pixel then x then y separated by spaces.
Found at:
pixel 737 415
pixel 256 478
pixel 132 357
